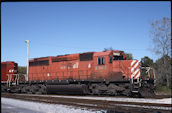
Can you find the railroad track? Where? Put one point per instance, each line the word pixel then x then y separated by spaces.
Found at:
pixel 121 106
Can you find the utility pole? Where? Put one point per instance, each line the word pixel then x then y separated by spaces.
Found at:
pixel 27 75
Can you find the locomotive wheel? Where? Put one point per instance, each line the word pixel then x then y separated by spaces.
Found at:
pixel 24 89
pixel 42 89
pixel 117 90
pixel 127 93
pixel 34 89
pixel 94 89
pixel 112 90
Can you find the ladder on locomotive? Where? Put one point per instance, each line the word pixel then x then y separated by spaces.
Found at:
pixel 135 85
pixel 16 80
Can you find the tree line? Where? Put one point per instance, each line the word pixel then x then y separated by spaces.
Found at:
pixel 160 33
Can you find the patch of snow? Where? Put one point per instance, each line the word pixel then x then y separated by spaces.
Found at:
pixel 44 107
pixel 148 107
pixel 140 100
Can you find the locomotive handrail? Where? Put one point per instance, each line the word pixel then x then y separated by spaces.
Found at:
pixel 16 79
pixel 148 71
pixel 9 79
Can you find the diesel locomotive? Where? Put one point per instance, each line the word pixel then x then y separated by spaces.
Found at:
pixel 91 73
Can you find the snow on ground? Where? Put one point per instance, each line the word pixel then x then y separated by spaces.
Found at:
pixel 140 100
pixel 43 107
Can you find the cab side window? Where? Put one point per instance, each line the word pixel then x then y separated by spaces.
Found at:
pixel 110 59
pixel 100 60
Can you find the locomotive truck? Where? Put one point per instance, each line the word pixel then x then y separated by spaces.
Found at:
pixel 91 73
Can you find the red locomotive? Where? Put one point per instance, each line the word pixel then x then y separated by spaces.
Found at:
pixel 8 71
pixel 107 73
pixel 109 65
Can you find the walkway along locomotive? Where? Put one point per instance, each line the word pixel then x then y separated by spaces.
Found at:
pixel 96 73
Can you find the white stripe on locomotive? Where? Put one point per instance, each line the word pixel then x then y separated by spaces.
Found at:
pixel 133 62
pixel 132 69
pixel 136 73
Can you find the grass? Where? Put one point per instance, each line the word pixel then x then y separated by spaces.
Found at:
pixel 163 90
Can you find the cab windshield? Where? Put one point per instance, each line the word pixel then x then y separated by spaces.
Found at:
pixel 118 58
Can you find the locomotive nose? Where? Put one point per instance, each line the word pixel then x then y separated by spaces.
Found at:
pixel 128 68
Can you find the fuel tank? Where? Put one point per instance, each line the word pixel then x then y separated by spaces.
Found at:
pixel 67 89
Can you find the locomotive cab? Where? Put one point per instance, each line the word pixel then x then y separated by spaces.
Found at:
pixel 119 55
pixel 120 66
pixel 111 65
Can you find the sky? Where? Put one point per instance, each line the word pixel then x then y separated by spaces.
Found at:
pixel 59 28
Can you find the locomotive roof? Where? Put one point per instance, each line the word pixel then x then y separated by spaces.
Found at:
pixel 7 62
pixel 66 55
pixel 41 58
pixel 106 52
pixel 77 55
pixel 102 53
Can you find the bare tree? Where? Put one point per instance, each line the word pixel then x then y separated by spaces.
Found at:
pixel 161 37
